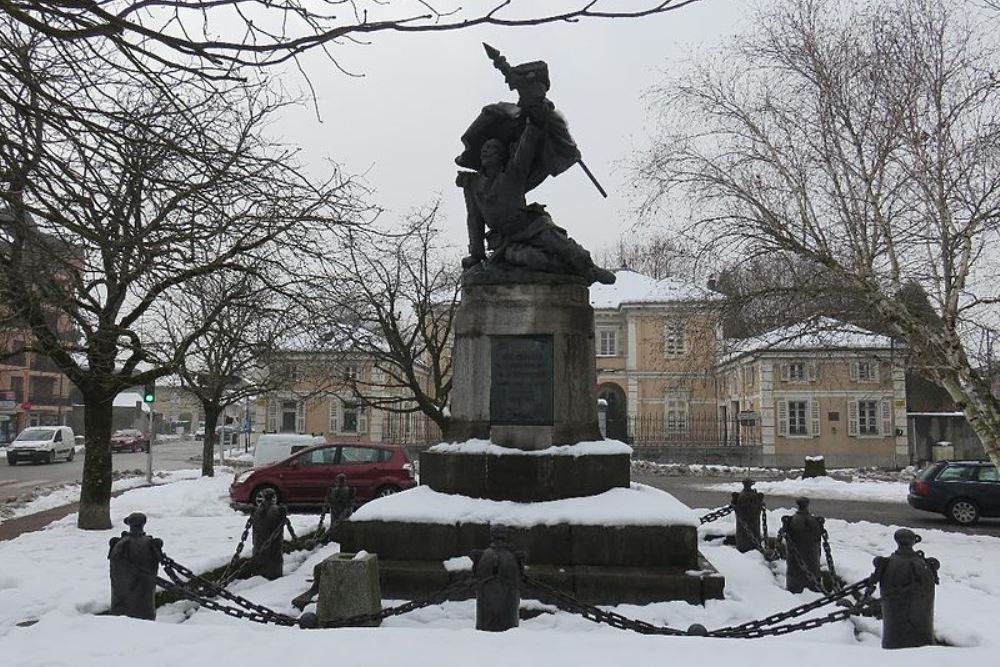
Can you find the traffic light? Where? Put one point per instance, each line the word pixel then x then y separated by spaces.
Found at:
pixel 149 392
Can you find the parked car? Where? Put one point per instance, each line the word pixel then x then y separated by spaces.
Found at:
pixel 963 491
pixel 42 444
pixel 129 439
pixel 273 447
pixel 374 470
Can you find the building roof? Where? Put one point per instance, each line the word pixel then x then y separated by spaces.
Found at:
pixel 636 288
pixel 822 333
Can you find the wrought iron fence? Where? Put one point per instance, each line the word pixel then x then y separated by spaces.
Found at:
pixel 659 431
pixel 410 429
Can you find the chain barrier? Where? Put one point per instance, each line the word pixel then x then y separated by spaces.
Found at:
pixel 232 572
pixel 202 591
pixel 291 531
pixel 567 602
pixel 437 597
pixel 828 552
pixel 717 513
pixel 765 627
pixel 763 523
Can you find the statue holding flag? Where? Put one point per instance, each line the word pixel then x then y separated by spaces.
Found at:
pixel 513 147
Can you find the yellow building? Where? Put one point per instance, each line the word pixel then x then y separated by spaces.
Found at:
pixel 656 343
pixel 820 389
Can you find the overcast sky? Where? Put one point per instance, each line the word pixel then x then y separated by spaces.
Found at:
pixel 401 122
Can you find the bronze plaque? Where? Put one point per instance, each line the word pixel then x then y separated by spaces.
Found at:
pixel 521 380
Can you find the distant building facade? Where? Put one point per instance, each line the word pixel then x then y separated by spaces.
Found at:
pixel 33 392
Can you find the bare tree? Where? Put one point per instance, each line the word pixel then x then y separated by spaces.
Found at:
pixel 217 37
pixel 657 254
pixel 233 360
pixel 863 141
pixel 118 195
pixel 393 302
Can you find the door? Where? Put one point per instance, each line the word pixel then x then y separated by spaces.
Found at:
pixel 617 424
pixel 311 475
pixel 361 465
pixel 989 491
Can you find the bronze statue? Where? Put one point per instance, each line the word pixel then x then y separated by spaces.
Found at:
pixel 749 504
pixel 268 529
pixel 340 499
pixel 513 148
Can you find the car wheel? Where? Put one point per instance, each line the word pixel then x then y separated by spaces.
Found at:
pixel 963 511
pixel 258 494
pixel 72 453
pixel 11 461
pixel 386 490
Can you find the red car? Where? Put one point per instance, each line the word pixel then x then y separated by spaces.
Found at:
pixel 129 439
pixel 374 470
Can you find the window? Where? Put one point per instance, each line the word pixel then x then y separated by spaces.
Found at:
pixel 868 418
pixel 351 373
pixel 797 418
pixel 356 455
pixel 348 418
pixel 988 474
pixel 674 343
pixel 957 473
pixel 607 342
pixel 676 414
pixel 865 370
pixel 318 457
pixel 796 371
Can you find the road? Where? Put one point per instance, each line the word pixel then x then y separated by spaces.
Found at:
pixel 24 477
pixel 686 489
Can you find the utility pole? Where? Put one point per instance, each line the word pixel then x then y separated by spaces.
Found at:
pixel 149 398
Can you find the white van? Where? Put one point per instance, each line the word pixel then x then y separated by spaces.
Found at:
pixel 273 447
pixel 42 444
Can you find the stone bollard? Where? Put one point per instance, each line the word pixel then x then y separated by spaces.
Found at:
pixel 906 586
pixel 268 518
pixel 498 571
pixel 135 560
pixel 348 586
pixel 340 499
pixel 803 533
pixel 749 504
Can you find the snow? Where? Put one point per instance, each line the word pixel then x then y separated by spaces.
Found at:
pixel 822 333
pixel 457 564
pixel 59 576
pixel 70 493
pixel 639 505
pixel 827 487
pixel 597 447
pixel 635 288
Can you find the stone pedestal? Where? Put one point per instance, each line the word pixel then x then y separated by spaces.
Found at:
pixel 348 586
pixel 524 364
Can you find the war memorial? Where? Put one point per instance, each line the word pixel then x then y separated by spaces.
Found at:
pixel 525 449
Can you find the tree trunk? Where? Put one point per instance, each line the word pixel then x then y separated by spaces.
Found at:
pixel 95 491
pixel 982 413
pixel 212 413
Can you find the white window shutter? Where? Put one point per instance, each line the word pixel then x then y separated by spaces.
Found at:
pixel 852 418
pixel 814 415
pixel 785 372
pixel 854 373
pixel 362 419
pixel 334 403
pixel 811 371
pixel 782 417
pixel 300 416
pixel 886 417
pixel 874 369
pixel 272 414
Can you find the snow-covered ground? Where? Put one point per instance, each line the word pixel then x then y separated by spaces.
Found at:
pixel 59 577
pixel 826 487
pixel 47 499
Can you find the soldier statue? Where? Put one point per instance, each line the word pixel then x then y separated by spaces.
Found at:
pixel 513 147
pixel 135 560
pixel 268 523
pixel 803 533
pixel 748 504
pixel 340 499
pixel 498 571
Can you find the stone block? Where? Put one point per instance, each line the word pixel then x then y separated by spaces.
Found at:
pixel 524 477
pixel 656 546
pixel 348 586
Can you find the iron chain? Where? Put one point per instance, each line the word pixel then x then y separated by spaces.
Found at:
pixel 717 513
pixel 437 597
pixel 829 560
